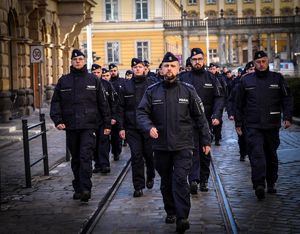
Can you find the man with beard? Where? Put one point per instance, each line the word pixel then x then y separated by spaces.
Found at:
pixel 210 91
pixel 140 143
pixel 262 97
pixel 78 106
pixel 168 112
pixel 116 141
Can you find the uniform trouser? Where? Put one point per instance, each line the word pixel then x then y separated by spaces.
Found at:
pixel 115 140
pixel 173 168
pixel 217 131
pixel 262 147
pixel 102 149
pixel 141 151
pixel 242 142
pixel 201 162
pixel 81 144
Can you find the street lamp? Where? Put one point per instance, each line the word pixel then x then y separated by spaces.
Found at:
pixel 207 40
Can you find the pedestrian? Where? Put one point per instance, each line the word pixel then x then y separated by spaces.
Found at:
pixel 116 141
pixel 262 97
pixel 210 91
pixel 231 104
pixel 168 113
pixel 130 96
pixel 101 156
pixel 128 74
pixel 148 71
pixel 78 106
pixel 217 129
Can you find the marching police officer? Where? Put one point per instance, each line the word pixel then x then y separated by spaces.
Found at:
pixel 210 91
pixel 116 141
pixel 130 96
pixel 262 97
pixel 231 109
pixel 101 158
pixel 78 106
pixel 168 112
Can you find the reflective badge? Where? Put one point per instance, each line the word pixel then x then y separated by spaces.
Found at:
pixel 183 101
pixel 91 87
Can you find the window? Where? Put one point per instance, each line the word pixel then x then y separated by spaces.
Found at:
pixel 248 1
pixel 142 50
pixel 192 2
pixel 266 0
pixel 213 54
pixel 112 49
pixel 141 7
pixel 211 2
pixel 230 1
pixel 111 8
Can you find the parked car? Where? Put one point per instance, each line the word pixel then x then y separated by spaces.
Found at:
pixel 287 69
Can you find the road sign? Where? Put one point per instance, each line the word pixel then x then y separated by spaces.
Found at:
pixel 36 54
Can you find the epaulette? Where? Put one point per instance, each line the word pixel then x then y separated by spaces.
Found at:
pixel 155 84
pixel 187 84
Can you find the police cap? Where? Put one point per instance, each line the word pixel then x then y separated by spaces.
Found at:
pixel 95 66
pixel 128 72
pixel 188 62
pixel 111 66
pixel 249 65
pixel 104 70
pixel 76 53
pixel 146 63
pixel 135 61
pixel 196 51
pixel 169 57
pixel 260 54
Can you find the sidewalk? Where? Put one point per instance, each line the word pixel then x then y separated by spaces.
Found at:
pixel 48 206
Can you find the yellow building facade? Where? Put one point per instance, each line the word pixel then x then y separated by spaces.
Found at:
pixel 123 29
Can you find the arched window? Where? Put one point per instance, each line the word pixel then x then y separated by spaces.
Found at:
pixel 267 11
pixel 286 11
pixel 248 12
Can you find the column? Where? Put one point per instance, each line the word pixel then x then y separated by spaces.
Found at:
pixel 185 46
pixel 221 48
pixel 250 48
pixel 257 8
pixel 201 9
pixel 288 46
pixel 230 52
pixel 269 45
pixel 239 8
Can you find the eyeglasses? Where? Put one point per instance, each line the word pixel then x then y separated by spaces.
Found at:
pixel 197 59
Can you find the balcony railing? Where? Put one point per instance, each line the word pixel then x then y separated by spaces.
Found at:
pixel 232 22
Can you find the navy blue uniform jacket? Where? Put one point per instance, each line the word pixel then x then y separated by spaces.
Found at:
pixel 79 102
pixel 175 110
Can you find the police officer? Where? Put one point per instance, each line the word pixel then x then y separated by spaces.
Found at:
pixel 116 141
pixel 231 110
pixel 148 71
pixel 168 112
pixel 78 106
pixel 128 74
pixel 217 129
pixel 261 99
pixel 130 96
pixel 101 158
pixel 209 90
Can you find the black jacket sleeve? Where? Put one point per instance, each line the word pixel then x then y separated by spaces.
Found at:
pixel 103 105
pixel 197 113
pixel 219 99
pixel 143 113
pixel 55 108
pixel 287 100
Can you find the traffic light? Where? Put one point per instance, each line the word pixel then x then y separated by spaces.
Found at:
pixel 95 57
